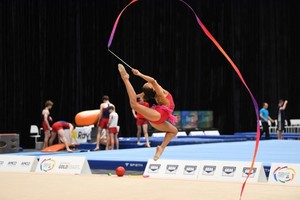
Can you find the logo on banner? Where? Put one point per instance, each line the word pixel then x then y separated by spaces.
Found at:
pixel 25 164
pixel 153 168
pixel 171 169
pixel 47 165
pixel 134 165
pixel 209 170
pixel 228 171
pixel 12 163
pixel 284 174
pixel 67 166
pixel 189 169
pixel 246 171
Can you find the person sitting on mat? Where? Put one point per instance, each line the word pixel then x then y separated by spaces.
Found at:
pixel 58 128
pixel 157 115
pixel 113 128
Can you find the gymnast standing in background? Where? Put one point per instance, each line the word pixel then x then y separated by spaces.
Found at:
pixel 157 115
pixel 46 120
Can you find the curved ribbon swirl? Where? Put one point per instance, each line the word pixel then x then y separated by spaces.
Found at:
pixel 208 34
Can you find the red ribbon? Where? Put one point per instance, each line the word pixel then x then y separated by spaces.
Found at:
pixel 116 24
pixel 208 34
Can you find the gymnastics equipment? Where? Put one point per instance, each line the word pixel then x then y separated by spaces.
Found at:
pixel 57 147
pixel 196 133
pixel 211 132
pixel 120 59
pixel 9 143
pixel 86 118
pixel 120 171
pixel 181 133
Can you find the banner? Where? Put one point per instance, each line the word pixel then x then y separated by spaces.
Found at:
pixel 63 165
pixel 17 163
pixel 284 174
pixel 231 171
pixel 177 169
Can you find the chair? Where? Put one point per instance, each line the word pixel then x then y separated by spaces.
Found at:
pixel 295 123
pixel 35 133
pixel 272 126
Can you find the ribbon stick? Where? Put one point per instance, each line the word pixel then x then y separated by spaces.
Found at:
pixel 119 58
pixel 116 24
pixel 243 81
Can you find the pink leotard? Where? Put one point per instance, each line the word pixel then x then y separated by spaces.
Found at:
pixel 165 111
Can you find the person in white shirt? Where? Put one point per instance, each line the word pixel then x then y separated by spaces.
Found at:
pixel 113 128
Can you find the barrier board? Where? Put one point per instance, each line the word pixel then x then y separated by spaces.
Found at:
pixel 10 163
pixel 177 169
pixel 231 171
pixel 284 174
pixel 205 170
pixel 63 165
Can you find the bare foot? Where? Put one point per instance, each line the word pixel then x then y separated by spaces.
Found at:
pixel 148 145
pixel 96 149
pixel 123 72
pixel 69 150
pixel 159 151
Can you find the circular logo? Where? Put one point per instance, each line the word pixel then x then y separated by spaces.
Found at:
pixel 47 165
pixel 284 174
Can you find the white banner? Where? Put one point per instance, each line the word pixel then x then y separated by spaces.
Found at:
pixel 284 174
pixel 231 171
pixel 205 170
pixel 178 169
pixel 63 165
pixel 17 163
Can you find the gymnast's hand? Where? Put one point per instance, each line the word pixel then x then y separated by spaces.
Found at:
pixel 136 72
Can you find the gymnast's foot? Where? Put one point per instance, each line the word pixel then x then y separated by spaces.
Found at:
pixel 159 151
pixel 69 150
pixel 123 72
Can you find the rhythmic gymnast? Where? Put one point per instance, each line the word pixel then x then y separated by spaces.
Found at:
pixel 157 115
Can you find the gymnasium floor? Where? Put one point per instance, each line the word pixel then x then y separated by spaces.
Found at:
pixel 33 186
pixel 270 151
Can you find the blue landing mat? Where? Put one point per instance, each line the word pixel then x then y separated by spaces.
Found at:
pixel 127 143
pixel 252 135
pixel 270 151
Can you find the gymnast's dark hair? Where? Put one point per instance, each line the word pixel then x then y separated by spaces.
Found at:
pixel 149 93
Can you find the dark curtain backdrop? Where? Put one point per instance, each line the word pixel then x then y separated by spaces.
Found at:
pixel 57 49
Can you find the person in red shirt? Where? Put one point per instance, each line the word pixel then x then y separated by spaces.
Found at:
pixel 141 123
pixel 58 128
pixel 46 120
